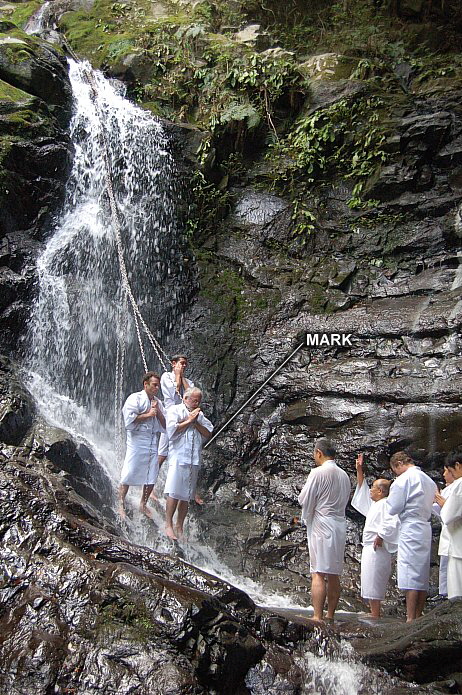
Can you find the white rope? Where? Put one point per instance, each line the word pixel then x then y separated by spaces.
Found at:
pixel 138 318
pixel 120 364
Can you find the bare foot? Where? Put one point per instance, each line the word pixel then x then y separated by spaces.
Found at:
pixel 170 534
pixel 144 510
pixel 317 620
pixel 198 500
pixel 179 531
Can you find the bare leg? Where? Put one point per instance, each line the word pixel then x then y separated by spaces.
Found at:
pixel 170 509
pixel 318 594
pixel 123 489
pixel 160 460
pixel 374 604
pixel 181 516
pixel 147 489
pixel 415 601
pixel 422 597
pixel 333 594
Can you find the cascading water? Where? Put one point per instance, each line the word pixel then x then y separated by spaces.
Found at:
pixel 73 334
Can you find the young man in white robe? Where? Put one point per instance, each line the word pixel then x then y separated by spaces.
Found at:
pixel 443 546
pixel 380 537
pixel 411 498
pixel 144 420
pixel 323 500
pixel 173 385
pixel 187 430
pixel 451 515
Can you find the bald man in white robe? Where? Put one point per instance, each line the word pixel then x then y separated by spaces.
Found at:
pixel 411 498
pixel 380 537
pixel 324 499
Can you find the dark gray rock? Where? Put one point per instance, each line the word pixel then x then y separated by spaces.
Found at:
pixel 35 159
pixel 17 410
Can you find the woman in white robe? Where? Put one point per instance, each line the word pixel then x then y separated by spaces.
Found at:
pixel 443 545
pixel 451 515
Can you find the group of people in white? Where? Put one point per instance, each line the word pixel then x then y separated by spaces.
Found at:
pixel 398 520
pixel 397 513
pixel 174 430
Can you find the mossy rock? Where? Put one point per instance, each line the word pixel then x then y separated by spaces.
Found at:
pixel 10 95
pixel 19 13
pixel 33 66
pixel 329 67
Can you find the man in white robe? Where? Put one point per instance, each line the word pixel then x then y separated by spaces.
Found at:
pixel 324 499
pixel 443 545
pixel 187 430
pixel 411 498
pixel 380 537
pixel 144 419
pixel 451 515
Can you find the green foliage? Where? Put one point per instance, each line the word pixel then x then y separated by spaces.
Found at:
pixel 343 140
pixel 208 206
pixel 216 83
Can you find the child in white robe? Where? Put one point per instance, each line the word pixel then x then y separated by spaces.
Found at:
pixel 380 538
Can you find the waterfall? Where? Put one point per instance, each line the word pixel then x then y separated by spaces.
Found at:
pixel 76 318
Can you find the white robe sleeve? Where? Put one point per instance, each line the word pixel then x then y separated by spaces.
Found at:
pixel 172 419
pixel 389 530
pixel 361 500
pixel 396 500
pixel 452 509
pixel 307 499
pixel 132 408
pixel 205 422
pixel 168 388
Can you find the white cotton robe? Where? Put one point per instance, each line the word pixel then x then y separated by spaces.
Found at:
pixel 443 546
pixel 451 515
pixel 411 498
pixel 171 397
pixel 375 564
pixel 323 499
pixel 140 465
pixel 184 453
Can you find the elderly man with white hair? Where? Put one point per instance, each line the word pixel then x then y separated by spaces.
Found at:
pixel 187 430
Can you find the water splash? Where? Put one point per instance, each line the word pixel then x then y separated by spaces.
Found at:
pixel 73 335
pixel 328 668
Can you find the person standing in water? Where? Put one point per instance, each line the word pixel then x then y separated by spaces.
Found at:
pixel 323 500
pixel 144 419
pixel 187 430
pixel 411 498
pixel 380 537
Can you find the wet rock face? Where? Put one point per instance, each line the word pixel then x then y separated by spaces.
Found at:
pixel 35 158
pixel 391 279
pixel 85 610
pixel 423 650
